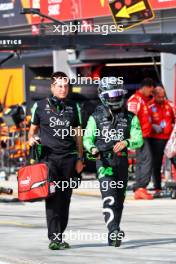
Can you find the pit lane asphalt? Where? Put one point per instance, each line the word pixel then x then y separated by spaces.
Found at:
pixel 150 228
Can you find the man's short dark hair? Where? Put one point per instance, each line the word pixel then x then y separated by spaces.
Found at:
pixel 147 82
pixel 155 91
pixel 59 75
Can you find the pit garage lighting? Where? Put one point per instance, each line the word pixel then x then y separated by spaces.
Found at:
pixel 132 64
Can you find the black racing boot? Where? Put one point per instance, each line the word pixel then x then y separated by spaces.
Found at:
pixel 115 238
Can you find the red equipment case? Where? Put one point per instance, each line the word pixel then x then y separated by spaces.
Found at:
pixel 33 182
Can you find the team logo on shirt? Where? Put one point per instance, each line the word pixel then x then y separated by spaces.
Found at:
pixel 48 109
pixel 58 126
pixel 55 121
pixel 113 135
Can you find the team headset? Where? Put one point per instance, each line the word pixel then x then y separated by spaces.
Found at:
pixel 58 104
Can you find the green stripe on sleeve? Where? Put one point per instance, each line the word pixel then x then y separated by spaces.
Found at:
pixel 136 139
pixel 79 113
pixel 33 110
pixel 89 135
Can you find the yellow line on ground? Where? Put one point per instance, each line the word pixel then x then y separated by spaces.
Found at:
pixel 77 192
pixel 15 223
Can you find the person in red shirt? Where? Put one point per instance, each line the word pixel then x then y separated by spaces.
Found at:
pixel 163 119
pixel 138 104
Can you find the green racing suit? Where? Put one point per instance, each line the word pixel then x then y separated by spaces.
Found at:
pixel 112 168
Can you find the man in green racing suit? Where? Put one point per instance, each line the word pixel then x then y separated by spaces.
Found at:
pixel 110 130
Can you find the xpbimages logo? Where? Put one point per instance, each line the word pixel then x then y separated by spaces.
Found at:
pixel 104 29
pixel 104 184
pixel 80 235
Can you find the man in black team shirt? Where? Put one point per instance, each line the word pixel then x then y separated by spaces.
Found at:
pixel 54 118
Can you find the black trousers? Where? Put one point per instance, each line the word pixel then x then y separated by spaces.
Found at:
pixel 143 165
pixel 57 205
pixel 113 178
pixel 157 148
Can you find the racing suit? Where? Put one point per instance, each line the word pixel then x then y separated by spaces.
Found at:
pixel 162 122
pixel 138 104
pixel 103 131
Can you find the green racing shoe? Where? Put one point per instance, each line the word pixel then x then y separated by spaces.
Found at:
pixel 58 245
